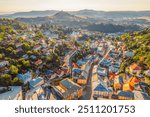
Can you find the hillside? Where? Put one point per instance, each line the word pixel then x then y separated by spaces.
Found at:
pixel 85 12
pixel 112 28
pixel 139 43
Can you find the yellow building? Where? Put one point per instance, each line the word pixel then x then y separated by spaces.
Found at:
pixel 118 82
pixel 127 87
pixel 69 90
pixel 134 68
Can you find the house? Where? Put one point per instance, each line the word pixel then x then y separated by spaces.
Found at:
pixel 33 57
pixel 25 56
pixel 147 72
pixel 60 73
pixel 143 86
pixel 36 82
pixel 135 69
pixel 38 62
pixel 128 54
pixel 95 76
pixel 12 93
pixel 100 50
pixel 4 70
pixel 106 63
pixel 75 65
pixel 49 72
pixel 81 62
pixel 18 45
pixel 125 95
pixel 102 71
pixel 3 63
pixel 147 80
pixel 94 73
pixel 37 47
pixel 113 69
pixel 134 80
pixel 138 95
pixel 127 87
pixel 118 82
pixel 103 91
pixel 68 90
pixel 25 78
pixel 36 94
pixel 137 87
pixel 76 73
pixel 19 50
pixel 85 74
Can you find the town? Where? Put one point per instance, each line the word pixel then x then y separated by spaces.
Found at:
pixel 52 62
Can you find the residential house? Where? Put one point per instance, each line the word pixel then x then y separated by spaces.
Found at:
pixel 138 95
pixel 81 62
pixel 38 62
pixel 147 72
pixel 68 90
pixel 37 47
pixel 106 62
pixel 36 82
pixel 19 50
pixel 94 73
pixel 127 87
pixel 113 69
pixel 33 57
pixel 135 69
pixel 37 93
pixel 103 91
pixel 18 45
pixel 128 54
pixel 25 56
pixel 3 63
pixel 102 71
pixel 125 95
pixel 25 78
pixel 85 74
pixel 12 93
pixel 76 73
pixel 134 80
pixel 118 83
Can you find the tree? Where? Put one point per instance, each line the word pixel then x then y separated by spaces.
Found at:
pixel 9 49
pixel 16 82
pixel 1 56
pixel 14 69
pixel 29 52
pixel 26 46
pixel 5 80
pixel 26 63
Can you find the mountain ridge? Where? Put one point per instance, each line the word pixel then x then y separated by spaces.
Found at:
pixel 85 12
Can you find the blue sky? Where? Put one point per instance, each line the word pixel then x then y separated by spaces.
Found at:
pixel 106 5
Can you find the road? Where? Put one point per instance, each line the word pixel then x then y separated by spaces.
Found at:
pixel 89 88
pixel 87 92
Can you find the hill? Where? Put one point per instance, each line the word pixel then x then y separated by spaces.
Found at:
pixel 86 13
pixel 139 43
pixel 112 28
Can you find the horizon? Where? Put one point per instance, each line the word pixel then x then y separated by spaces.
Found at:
pixel 13 6
pixel 13 12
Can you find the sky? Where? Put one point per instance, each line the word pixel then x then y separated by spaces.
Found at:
pixel 7 6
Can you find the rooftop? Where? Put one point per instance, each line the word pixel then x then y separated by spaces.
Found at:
pixel 126 94
pixel 11 94
pixel 25 77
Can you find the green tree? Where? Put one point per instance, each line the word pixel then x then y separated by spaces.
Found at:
pixel 14 69
pixel 26 63
pixel 1 56
pixel 5 80
pixel 16 82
